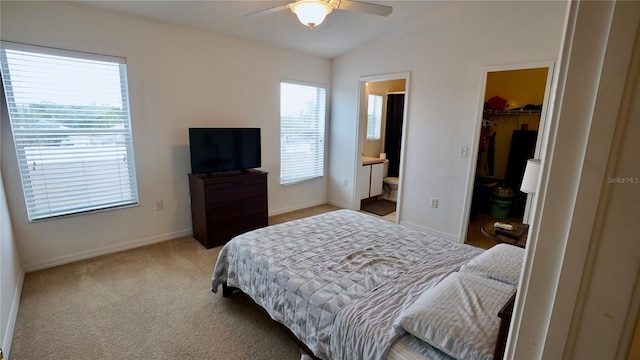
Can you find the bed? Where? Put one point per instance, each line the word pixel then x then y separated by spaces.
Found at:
pixel 352 286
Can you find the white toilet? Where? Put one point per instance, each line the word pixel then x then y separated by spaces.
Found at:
pixel 390 184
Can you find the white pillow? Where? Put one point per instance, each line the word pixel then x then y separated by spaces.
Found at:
pixel 459 315
pixel 503 262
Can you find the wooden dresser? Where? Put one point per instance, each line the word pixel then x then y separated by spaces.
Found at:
pixel 224 205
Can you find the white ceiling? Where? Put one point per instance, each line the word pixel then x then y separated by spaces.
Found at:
pixel 340 32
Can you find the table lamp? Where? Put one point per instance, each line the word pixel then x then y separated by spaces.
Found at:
pixel 530 178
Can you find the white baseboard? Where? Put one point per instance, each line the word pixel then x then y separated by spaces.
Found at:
pixel 339 204
pixel 82 255
pixel 13 316
pixel 431 231
pixel 297 207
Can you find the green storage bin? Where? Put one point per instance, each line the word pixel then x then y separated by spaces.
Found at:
pixel 501 199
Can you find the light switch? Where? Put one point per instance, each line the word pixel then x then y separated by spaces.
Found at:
pixel 464 151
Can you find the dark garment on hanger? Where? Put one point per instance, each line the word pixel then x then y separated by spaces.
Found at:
pixel 491 153
pixel 532 107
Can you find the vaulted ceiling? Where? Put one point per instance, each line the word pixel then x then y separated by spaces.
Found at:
pixel 340 32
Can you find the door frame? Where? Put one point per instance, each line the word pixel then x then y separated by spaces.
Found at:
pixel 362 123
pixel 542 128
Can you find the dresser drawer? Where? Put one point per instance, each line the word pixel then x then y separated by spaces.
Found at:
pixel 234 181
pixel 239 206
pixel 216 194
pixel 228 224
pixel 227 227
pixel 225 205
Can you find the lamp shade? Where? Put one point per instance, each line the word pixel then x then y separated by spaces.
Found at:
pixel 311 12
pixel 530 178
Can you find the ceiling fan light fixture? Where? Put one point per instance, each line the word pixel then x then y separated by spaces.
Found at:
pixel 311 12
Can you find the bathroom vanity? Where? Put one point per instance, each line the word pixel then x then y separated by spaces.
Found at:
pixel 370 177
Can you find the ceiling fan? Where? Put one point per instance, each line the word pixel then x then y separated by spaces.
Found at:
pixel 313 12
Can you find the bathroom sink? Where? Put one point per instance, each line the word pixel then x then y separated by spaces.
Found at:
pixel 371 160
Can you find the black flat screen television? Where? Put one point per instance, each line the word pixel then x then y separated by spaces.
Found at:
pixel 224 149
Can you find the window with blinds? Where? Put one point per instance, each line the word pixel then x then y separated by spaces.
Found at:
pixel 302 124
pixel 69 115
pixel 374 117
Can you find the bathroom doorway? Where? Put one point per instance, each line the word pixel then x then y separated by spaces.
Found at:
pixel 511 124
pixel 382 121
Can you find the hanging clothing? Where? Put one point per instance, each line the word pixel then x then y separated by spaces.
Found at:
pixel 483 139
pixel 486 149
pixel 491 149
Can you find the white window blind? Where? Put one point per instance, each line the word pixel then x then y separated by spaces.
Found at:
pixel 302 123
pixel 69 115
pixel 374 117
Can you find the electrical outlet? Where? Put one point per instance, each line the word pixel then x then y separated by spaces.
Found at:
pixel 159 205
pixel 434 202
pixel 344 182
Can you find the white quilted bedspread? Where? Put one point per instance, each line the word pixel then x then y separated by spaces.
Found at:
pixel 338 280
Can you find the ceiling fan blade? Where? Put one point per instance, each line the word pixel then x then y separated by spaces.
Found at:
pixel 269 10
pixel 364 7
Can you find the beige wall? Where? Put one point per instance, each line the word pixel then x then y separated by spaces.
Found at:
pixel 524 86
pixel 634 351
pixel 11 272
pixel 178 78
pixel 11 276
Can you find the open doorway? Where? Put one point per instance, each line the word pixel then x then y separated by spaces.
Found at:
pixel 380 144
pixel 514 105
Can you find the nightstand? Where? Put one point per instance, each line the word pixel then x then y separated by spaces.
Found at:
pixel 517 236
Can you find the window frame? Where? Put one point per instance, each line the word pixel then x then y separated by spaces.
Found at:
pixel 321 148
pixel 121 138
pixel 377 128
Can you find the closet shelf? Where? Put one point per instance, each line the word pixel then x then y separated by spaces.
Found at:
pixel 511 112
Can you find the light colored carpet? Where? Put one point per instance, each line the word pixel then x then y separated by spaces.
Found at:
pixel 148 303
pixel 152 302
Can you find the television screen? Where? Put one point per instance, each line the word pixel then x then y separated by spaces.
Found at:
pixel 224 149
